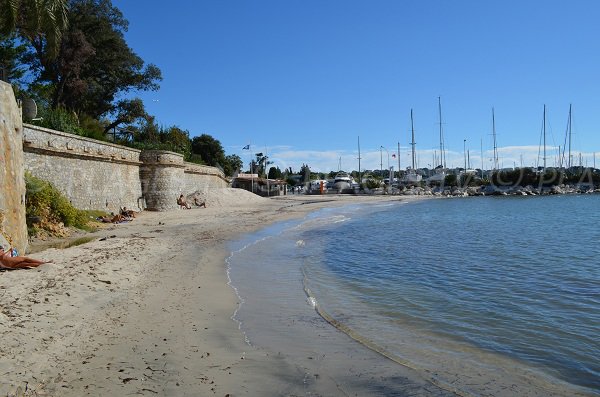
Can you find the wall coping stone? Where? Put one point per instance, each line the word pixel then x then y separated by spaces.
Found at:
pixel 78 137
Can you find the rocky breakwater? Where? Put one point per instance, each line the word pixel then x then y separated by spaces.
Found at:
pixel 491 190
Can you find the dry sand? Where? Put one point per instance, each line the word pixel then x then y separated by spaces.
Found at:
pixel 146 310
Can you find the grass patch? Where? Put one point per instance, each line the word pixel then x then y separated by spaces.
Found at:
pixel 79 241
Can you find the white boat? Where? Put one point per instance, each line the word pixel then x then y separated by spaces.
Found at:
pixel 342 181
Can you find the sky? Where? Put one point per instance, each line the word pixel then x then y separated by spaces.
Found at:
pixel 304 80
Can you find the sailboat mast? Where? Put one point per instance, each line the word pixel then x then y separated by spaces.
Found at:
pixel 495 143
pixel 442 151
pixel 359 174
pixel 569 160
pixel 544 129
pixel 412 128
pixel 481 143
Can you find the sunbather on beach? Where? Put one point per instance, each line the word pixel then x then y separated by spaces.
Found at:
pixel 7 261
pixel 128 213
pixel 112 219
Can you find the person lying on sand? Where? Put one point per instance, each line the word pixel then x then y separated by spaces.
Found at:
pixel 112 219
pixel 7 261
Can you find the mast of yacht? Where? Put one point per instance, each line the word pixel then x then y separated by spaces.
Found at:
pixel 359 174
pixel 412 127
pixel 481 143
pixel 495 143
pixel 544 129
pixel 442 149
pixel 569 159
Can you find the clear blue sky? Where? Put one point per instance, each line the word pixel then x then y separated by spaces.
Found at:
pixel 304 79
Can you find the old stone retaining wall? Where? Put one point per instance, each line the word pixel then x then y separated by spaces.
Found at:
pixel 13 229
pixel 91 174
pixel 104 176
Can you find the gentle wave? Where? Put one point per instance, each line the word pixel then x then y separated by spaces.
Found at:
pixel 390 279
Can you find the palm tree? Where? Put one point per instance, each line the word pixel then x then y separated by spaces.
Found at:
pixel 35 20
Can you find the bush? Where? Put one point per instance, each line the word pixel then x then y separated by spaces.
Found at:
pixel 47 205
pixel 60 120
pixel 372 183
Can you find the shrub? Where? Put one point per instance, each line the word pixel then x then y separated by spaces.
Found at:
pixel 60 120
pixel 46 204
pixel 372 183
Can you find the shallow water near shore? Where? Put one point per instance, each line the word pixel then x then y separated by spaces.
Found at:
pixel 479 296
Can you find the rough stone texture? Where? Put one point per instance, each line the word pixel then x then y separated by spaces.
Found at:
pixel 91 174
pixel 12 182
pixel 201 178
pixel 161 175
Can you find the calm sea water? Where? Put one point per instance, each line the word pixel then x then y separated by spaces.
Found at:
pixel 495 296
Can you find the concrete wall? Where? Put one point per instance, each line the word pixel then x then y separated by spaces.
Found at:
pixel 12 182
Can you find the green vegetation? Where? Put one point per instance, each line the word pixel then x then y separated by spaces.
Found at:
pixel 71 56
pixel 46 207
pixel 371 183
pixel 79 241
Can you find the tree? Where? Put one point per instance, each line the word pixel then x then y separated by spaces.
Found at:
pixel 127 111
pixel 305 172
pixel 38 21
pixel 94 63
pixel 275 173
pixel 233 163
pixel 209 149
pixel 11 56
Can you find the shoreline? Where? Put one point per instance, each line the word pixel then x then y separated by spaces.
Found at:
pixel 144 310
pixel 463 370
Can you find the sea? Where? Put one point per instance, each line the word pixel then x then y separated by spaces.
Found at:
pixel 470 296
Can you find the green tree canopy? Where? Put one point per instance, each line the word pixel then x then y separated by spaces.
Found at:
pixel 209 149
pixel 275 173
pixel 11 58
pixel 41 22
pixel 126 112
pixel 94 65
pixel 233 163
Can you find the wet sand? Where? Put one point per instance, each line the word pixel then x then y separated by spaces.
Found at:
pixel 146 310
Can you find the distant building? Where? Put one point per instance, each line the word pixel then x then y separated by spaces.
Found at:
pixel 261 186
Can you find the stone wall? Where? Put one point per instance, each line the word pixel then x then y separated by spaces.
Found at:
pixel 100 175
pixel 12 182
pixel 161 177
pixel 92 174
pixel 202 178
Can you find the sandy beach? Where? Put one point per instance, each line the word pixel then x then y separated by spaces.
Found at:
pixel 145 309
